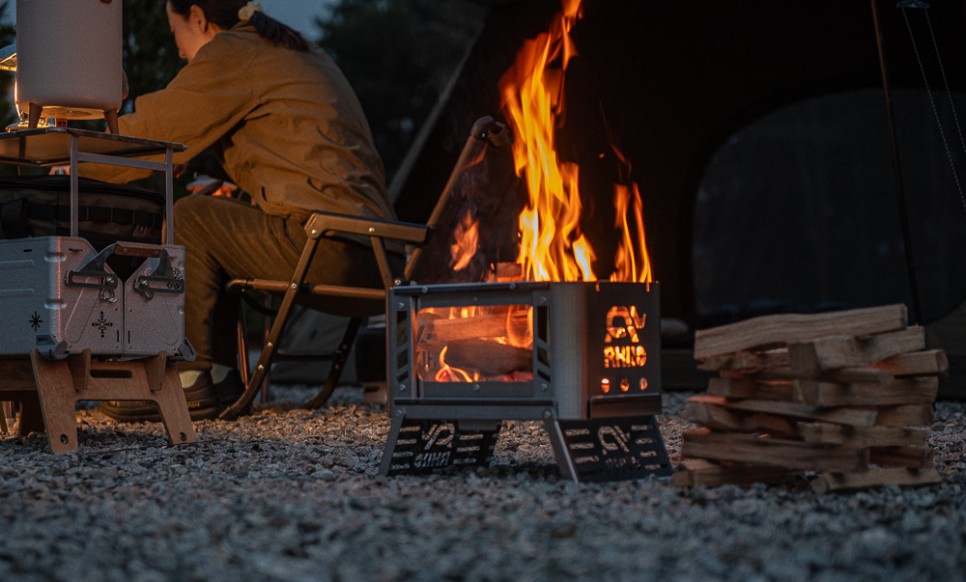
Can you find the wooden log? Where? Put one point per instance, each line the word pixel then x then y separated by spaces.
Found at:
pixel 772 452
pixel 910 457
pixel 488 357
pixel 771 423
pixel 901 391
pixel 774 330
pixel 716 363
pixel 748 388
pixel 717 417
pixel 846 416
pixel 747 361
pixel 865 375
pixel 905 415
pixel 832 353
pixel 492 323
pixel 875 477
pixel 860 437
pixel 924 363
pixel 694 472
pixel 712 416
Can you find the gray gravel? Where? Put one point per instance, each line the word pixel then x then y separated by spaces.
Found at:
pixel 288 494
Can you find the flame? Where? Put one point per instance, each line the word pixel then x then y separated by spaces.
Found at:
pixel 447 373
pixel 552 246
pixel 466 238
pixel 631 262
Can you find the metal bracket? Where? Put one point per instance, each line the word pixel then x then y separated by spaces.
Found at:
pixel 95 269
pixel 162 280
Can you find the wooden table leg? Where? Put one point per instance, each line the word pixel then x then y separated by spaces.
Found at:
pixel 58 399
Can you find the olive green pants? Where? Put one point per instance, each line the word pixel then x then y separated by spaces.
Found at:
pixel 226 239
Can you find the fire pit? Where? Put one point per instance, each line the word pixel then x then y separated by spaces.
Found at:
pixel 581 357
pixel 544 338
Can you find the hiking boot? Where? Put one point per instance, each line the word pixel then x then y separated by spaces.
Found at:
pixel 205 401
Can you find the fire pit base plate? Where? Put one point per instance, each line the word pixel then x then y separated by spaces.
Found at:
pixel 594 450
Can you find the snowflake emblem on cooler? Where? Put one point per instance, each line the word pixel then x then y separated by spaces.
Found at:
pixel 103 324
pixel 35 321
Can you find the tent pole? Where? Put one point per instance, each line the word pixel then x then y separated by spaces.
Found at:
pixel 897 170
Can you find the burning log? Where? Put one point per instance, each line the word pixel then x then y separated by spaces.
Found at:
pixel 845 395
pixel 498 322
pixel 474 343
pixel 489 358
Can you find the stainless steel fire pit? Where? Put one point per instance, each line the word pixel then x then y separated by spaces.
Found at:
pixel 581 357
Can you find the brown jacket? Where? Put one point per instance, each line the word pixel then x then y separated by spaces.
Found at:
pixel 287 126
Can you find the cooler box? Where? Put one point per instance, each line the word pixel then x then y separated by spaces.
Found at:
pixel 61 297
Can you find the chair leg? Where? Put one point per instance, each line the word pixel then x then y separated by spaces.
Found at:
pixel 260 373
pixel 338 364
pixel 278 326
pixel 241 334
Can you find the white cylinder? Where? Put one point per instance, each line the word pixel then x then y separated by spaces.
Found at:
pixel 69 57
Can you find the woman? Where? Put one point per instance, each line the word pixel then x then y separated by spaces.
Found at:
pixel 288 129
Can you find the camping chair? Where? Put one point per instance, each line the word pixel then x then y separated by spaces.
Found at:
pixel 363 301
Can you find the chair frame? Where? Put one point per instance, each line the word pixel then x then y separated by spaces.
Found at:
pixel 486 131
pixel 321 225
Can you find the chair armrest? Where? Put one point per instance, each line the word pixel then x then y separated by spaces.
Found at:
pixel 322 223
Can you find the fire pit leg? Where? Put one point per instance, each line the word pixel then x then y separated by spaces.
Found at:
pixel 560 450
pixel 608 449
pixel 423 445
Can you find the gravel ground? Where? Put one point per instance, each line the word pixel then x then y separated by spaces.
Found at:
pixel 289 494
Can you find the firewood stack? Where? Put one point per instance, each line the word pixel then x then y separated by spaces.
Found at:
pixel 846 395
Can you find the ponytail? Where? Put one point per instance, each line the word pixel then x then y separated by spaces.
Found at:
pixel 277 33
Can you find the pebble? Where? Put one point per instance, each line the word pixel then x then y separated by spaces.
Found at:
pixel 289 494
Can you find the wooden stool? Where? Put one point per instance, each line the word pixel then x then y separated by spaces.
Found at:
pixel 49 390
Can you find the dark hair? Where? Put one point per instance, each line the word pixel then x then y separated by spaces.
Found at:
pixel 224 13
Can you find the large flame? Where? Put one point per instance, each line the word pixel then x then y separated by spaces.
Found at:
pixel 631 262
pixel 552 246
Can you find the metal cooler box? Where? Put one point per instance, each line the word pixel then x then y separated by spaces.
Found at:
pixel 60 296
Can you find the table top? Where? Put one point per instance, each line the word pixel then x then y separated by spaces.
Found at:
pixel 50 146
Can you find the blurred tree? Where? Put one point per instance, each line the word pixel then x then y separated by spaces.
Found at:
pixel 150 55
pixel 399 55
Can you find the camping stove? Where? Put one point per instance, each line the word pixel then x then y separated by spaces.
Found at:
pixel 583 358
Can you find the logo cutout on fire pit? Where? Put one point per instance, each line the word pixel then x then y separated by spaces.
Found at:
pixel 607 450
pixel 426 445
pixel 623 347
